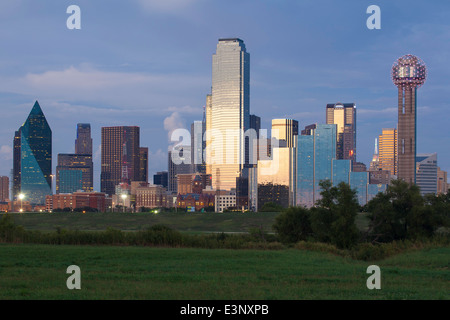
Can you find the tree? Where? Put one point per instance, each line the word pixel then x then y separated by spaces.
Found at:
pixel 293 225
pixel 333 219
pixel 402 213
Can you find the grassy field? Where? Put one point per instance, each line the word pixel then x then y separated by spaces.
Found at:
pixel 39 272
pixel 186 222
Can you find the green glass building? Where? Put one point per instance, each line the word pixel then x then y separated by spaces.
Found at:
pixel 33 158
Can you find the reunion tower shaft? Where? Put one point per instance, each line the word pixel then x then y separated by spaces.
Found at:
pixel 408 74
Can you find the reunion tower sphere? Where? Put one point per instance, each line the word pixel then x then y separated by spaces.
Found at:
pixel 409 71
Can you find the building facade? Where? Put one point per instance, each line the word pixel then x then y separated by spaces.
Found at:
pixel 4 188
pixel 427 173
pixel 33 158
pixel 83 142
pixel 77 200
pixel 229 114
pixel 143 164
pixel 161 178
pixel 74 172
pixel 314 163
pixel 344 116
pixel 388 151
pixel 120 157
pixel 442 186
pixel 152 196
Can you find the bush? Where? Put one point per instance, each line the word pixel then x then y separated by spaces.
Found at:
pixel 293 225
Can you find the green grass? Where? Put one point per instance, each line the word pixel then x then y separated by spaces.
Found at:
pixel 186 222
pixel 39 272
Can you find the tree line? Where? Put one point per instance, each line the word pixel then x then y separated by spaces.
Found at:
pixel 400 213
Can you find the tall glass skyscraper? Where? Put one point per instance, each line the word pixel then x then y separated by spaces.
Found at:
pixel 316 152
pixel 229 114
pixel 33 158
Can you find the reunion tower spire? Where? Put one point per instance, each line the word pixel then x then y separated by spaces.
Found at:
pixel 408 74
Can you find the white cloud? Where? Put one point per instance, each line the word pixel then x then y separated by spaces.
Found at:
pixel 6 152
pixel 173 122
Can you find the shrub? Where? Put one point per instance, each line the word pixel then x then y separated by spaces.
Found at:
pixel 293 225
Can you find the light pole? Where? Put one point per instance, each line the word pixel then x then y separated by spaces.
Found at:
pixel 21 196
pixel 124 196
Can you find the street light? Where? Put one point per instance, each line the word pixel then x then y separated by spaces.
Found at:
pixel 21 196
pixel 124 196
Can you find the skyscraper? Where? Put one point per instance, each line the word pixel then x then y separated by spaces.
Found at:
pixel 285 130
pixel 388 152
pixel 315 161
pixel 427 173
pixel 230 107
pixel 408 74
pixel 161 178
pixel 344 116
pixel 83 143
pixel 4 188
pixel 74 172
pixel 198 129
pixel 16 165
pixel 120 157
pixel 143 164
pixel 175 168
pixel 33 158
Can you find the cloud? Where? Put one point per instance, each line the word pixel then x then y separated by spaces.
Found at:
pixel 120 90
pixel 186 109
pixel 173 122
pixel 167 6
pixel 6 152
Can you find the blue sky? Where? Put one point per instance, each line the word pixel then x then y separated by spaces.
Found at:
pixel 148 63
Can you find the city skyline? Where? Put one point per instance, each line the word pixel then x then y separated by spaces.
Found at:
pixel 289 83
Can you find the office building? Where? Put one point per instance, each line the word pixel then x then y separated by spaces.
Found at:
pixel 442 186
pixel 83 143
pixel 286 131
pixel 33 158
pixel 408 74
pixel 314 163
pixel 74 172
pixel 277 178
pixel 152 196
pixel 427 173
pixel 77 200
pixel 388 151
pixel 120 157
pixel 198 146
pixel 161 178
pixel 229 115
pixel 4 188
pixel 344 116
pixel 178 163
pixel 143 164
pixel 375 163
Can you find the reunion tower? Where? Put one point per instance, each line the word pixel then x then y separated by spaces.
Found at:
pixel 408 74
